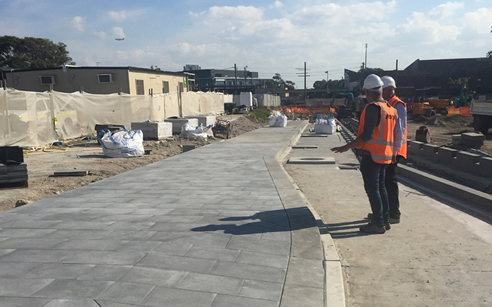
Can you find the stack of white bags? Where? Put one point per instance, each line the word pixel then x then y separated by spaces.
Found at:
pixel 277 119
pixel 325 126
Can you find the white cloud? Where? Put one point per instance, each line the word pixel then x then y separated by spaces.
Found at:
pixel 118 32
pixel 431 30
pixel 78 22
pixel 276 5
pixel 446 10
pixel 479 21
pixel 101 34
pixel 117 16
pixel 227 16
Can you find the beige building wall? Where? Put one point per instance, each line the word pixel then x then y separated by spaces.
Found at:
pixel 155 83
pixel 73 79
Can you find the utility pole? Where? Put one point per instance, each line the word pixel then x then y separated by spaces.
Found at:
pixel 235 79
pixel 327 87
pixel 305 75
pixel 365 61
pixel 245 74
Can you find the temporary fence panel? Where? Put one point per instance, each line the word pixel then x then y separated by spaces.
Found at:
pixel 32 119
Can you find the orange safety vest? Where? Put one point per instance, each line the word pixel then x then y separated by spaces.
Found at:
pixel 403 149
pixel 381 144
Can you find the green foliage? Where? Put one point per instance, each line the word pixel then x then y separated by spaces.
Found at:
pixel 260 114
pixel 31 52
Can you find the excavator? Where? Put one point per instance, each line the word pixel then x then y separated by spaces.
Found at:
pixel 344 110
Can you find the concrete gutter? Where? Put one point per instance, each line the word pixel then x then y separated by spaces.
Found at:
pixel 323 249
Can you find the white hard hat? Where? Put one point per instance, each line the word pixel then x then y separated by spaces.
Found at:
pixel 372 82
pixel 388 81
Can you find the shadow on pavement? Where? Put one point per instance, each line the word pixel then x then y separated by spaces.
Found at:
pixel 346 229
pixel 264 222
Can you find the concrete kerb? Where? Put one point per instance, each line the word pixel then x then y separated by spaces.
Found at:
pixel 334 294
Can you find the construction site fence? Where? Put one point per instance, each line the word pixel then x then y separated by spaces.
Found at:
pixel 34 119
pixel 307 110
pixel 459 111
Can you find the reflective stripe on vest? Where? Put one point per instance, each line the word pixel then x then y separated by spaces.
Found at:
pixel 403 149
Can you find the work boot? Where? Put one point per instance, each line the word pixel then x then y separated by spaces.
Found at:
pixel 369 216
pixel 371 228
pixel 387 226
pixel 394 220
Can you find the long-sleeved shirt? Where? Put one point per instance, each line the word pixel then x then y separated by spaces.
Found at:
pixel 371 121
pixel 402 120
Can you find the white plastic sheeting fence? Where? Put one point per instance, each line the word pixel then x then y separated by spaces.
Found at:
pixel 33 119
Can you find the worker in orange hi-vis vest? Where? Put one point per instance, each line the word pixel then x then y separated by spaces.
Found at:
pixel 389 86
pixel 377 143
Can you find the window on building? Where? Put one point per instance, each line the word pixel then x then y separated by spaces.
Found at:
pixel 165 87
pixel 140 87
pixel 105 78
pixel 47 79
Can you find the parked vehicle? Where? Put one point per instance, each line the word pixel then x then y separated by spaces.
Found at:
pixel 482 115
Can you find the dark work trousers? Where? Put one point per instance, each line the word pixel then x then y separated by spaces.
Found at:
pixel 373 175
pixel 392 189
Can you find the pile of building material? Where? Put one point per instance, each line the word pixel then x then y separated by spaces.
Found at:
pixel 13 170
pixel 469 139
pixel 154 130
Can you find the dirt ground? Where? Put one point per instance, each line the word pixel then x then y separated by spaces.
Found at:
pixel 441 129
pixel 89 155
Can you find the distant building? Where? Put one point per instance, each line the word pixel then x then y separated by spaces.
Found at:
pixel 436 78
pixel 97 80
pixel 227 81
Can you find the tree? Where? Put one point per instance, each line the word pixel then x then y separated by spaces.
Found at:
pixel 31 52
pixel 278 82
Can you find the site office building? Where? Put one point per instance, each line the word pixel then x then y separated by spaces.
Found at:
pixel 98 80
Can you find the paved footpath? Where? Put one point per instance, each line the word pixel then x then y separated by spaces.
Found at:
pixel 437 256
pixel 220 225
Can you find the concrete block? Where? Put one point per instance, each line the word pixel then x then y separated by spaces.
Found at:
pixel 415 147
pixel 153 130
pixel 472 136
pixel 485 168
pixel 430 152
pixel 205 120
pixel 467 161
pixel 188 147
pixel 179 122
pixel 446 155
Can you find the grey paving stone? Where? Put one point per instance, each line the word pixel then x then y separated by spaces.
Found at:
pixel 129 235
pixel 306 243
pixel 71 303
pixel 228 301
pixel 295 296
pixel 130 226
pixel 259 245
pixel 92 245
pixel 262 290
pixel 65 289
pixel 88 225
pixel 305 272
pixel 248 271
pixel 178 298
pixel 177 248
pixel 105 257
pixel 70 234
pixel 163 261
pixel 16 269
pixel 153 276
pixel 24 233
pixel 126 293
pixel 30 223
pixel 211 283
pixel 176 218
pixel 105 272
pixel 212 253
pixel 11 287
pixel 37 256
pixel 142 246
pixel 126 218
pixel 216 240
pixel 21 243
pixel 58 271
pixel 276 261
pixel 22 302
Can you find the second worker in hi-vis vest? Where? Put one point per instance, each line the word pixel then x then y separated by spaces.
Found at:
pixel 377 143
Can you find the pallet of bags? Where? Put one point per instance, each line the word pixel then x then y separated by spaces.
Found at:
pixel 277 119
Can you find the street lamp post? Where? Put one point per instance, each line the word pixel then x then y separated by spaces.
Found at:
pixel 327 87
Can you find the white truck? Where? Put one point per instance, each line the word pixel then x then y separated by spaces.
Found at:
pixel 482 115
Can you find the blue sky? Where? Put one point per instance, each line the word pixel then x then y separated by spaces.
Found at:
pixel 268 36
